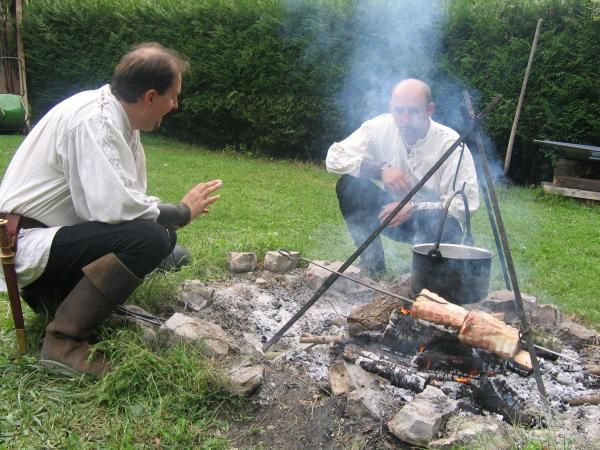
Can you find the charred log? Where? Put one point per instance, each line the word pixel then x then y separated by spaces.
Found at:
pixel 407 335
pixel 496 395
pixel 398 375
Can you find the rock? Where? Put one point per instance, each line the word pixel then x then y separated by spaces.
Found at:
pixel 241 262
pixel 262 282
pixel 420 421
pixel 316 276
pixel 365 402
pixel 250 345
pixel 245 380
pixel 345 377
pixel 547 317
pixel 148 335
pixel 576 334
pixel 215 341
pixel 278 263
pixel 195 295
pixel 339 379
pixel 504 302
pixel 464 430
pixel 373 316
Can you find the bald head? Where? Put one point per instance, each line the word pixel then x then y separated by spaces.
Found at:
pixel 412 86
pixel 147 66
pixel 411 107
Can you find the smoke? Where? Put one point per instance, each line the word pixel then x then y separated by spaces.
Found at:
pixel 393 40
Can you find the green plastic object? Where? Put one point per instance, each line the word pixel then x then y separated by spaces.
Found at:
pixel 12 112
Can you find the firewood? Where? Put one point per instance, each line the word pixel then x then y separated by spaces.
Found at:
pixel 439 311
pixel 400 376
pixel 523 361
pixel 308 338
pixel 482 330
pixel 593 399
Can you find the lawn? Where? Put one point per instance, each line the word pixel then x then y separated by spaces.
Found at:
pixel 169 397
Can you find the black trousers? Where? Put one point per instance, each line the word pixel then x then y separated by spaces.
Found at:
pixel 141 245
pixel 361 201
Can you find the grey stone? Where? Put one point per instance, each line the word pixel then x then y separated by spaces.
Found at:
pixel 214 339
pixel 241 262
pixel 576 334
pixel 195 295
pixel 316 276
pixel 345 377
pixel 545 316
pixel 464 430
pixel 365 402
pixel 278 263
pixel 250 345
pixel 420 421
pixel 245 380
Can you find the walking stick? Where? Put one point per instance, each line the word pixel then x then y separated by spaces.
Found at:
pixel 7 255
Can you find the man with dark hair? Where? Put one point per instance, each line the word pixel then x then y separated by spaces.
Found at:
pixel 395 150
pixel 88 233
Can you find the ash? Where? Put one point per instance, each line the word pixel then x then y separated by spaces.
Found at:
pixel 252 307
pixel 256 305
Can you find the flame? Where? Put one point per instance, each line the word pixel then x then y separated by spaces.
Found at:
pixel 421 349
pixel 405 311
pixel 464 380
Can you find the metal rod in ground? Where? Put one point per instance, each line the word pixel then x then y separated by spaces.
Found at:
pixel 509 262
pixel 468 116
pixel 334 276
pixel 486 198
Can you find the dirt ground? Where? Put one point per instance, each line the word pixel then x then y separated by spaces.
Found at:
pixel 293 412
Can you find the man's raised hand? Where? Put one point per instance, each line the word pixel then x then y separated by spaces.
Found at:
pixel 199 198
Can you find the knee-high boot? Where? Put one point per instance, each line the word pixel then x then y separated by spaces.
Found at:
pixel 106 283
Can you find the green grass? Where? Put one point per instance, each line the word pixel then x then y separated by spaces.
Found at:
pixel 170 396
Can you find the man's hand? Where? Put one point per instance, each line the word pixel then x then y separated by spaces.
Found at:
pixel 399 218
pixel 198 198
pixel 395 180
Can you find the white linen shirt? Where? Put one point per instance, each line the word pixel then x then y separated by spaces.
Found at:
pixel 82 162
pixel 379 139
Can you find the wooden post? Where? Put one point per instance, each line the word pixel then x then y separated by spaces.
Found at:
pixel 513 131
pixel 21 60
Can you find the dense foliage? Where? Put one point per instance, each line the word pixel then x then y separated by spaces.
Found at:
pixel 288 77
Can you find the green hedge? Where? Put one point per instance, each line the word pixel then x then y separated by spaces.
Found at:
pixel 286 78
pixel 487 45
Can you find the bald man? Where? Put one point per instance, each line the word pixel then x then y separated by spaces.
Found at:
pixel 382 160
pixel 87 231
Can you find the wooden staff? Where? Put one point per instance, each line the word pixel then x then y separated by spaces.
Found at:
pixel 7 255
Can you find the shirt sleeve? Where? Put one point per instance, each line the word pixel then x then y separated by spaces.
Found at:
pixel 102 174
pixel 345 158
pixel 466 175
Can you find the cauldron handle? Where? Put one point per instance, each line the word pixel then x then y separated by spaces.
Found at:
pixel 468 240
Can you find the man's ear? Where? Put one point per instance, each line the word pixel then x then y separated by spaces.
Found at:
pixel 430 109
pixel 148 96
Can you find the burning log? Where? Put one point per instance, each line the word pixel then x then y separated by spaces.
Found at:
pixel 484 331
pixel 439 311
pixel 399 376
pixel 406 335
pixel 477 329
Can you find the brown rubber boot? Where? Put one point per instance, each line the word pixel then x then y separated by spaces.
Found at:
pixel 106 283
